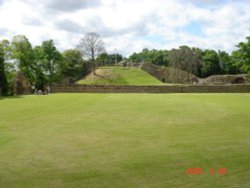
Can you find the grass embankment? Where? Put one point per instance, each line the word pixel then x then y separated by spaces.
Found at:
pixel 120 76
pixel 124 140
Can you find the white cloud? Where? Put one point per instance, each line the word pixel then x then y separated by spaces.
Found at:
pixel 128 25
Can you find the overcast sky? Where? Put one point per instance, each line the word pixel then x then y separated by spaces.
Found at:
pixel 129 25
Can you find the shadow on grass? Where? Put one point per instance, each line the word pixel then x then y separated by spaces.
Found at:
pixel 10 97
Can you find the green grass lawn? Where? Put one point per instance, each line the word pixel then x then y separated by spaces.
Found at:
pixel 124 140
pixel 120 76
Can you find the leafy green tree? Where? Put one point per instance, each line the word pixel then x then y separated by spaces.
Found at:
pixel 73 63
pixel 22 51
pixel 40 80
pixel 210 63
pixel 144 56
pixel 103 59
pixel 91 45
pixel 114 58
pixel 227 64
pixel 241 57
pixel 157 57
pixel 41 72
pixel 109 59
pixel 3 79
pixel 10 70
pixel 51 58
pixel 137 57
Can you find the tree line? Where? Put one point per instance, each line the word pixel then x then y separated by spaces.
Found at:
pixel 202 63
pixel 44 64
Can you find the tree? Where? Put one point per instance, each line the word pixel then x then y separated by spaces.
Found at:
pixel 184 58
pixel 114 58
pixel 3 79
pixel 103 59
pixel 198 52
pixel 227 64
pixel 41 77
pixel 51 58
pixel 241 56
pixel 136 57
pixel 210 63
pixel 157 57
pixel 72 63
pixel 108 59
pixel 22 51
pixel 91 46
pixel 9 66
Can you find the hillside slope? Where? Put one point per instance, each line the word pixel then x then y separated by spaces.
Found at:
pixel 120 76
pixel 169 74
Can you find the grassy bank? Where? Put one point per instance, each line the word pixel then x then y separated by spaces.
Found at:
pixel 120 76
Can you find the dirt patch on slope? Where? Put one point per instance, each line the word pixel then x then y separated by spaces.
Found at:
pixel 224 79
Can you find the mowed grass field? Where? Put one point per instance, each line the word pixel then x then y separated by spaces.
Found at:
pixel 112 75
pixel 124 140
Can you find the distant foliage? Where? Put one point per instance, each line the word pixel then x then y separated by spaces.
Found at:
pixel 202 63
pixel 108 59
pixel 241 56
pixel 22 52
pixel 157 57
pixel 44 64
pixel 210 64
pixel 73 65
pixel 3 80
pixel 185 59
